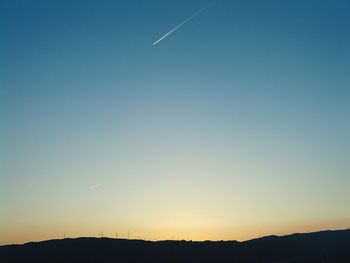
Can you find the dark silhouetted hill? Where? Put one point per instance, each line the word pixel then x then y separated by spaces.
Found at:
pixel 318 247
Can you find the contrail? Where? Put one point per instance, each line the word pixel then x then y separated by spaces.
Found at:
pixel 184 22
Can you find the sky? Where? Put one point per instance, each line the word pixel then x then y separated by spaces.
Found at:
pixel 234 126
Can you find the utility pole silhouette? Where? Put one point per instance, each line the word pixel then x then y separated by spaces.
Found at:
pixel 128 234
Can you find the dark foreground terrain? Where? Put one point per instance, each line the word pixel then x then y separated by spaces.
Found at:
pixel 325 246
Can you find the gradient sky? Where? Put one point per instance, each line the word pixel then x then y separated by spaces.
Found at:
pixel 235 126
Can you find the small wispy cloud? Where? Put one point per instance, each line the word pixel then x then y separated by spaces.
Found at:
pixel 94 186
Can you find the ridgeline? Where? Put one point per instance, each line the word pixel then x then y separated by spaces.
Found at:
pixel 317 247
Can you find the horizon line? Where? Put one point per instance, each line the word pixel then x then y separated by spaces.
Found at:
pixel 176 240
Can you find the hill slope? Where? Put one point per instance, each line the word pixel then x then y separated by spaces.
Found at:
pixel 325 246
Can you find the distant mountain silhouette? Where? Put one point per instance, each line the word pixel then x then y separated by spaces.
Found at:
pixel 318 247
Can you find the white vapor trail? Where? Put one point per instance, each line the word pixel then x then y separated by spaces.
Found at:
pixel 184 22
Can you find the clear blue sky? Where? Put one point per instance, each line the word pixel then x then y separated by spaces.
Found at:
pixel 234 126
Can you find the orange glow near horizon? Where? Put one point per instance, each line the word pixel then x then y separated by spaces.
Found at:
pixel 32 233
